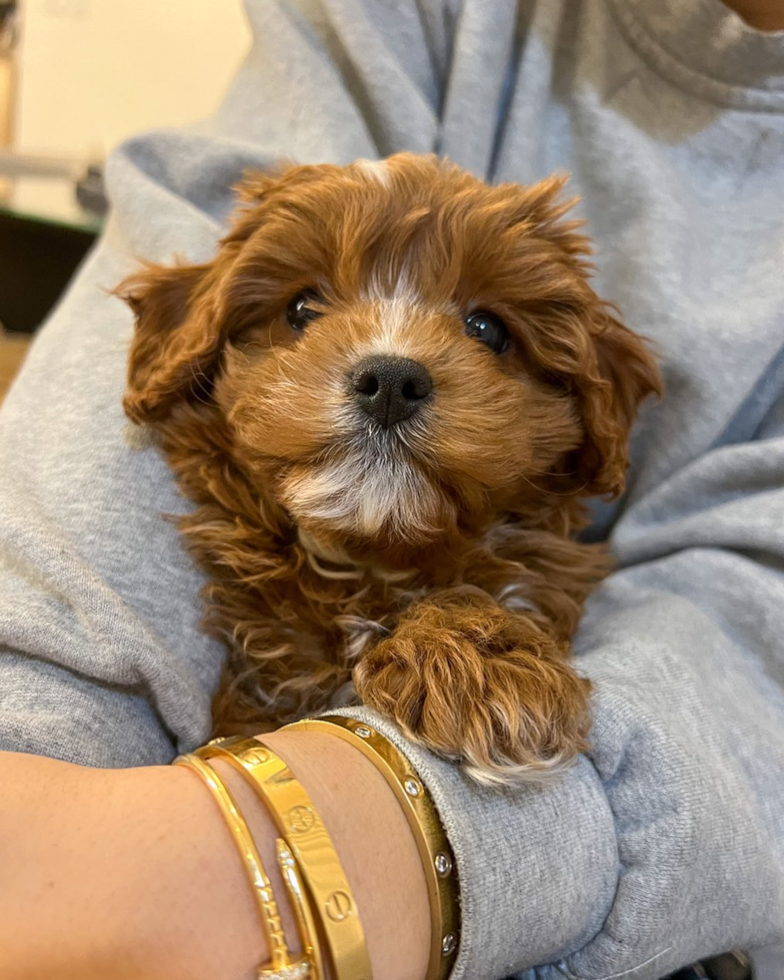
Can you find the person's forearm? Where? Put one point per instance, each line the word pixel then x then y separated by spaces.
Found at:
pixel 115 874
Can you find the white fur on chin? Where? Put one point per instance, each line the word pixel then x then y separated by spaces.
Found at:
pixel 368 490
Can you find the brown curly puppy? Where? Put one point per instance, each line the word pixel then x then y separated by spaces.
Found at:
pixel 388 396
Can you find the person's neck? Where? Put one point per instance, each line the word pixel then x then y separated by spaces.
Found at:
pixel 764 15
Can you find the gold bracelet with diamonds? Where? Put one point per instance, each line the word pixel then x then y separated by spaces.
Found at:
pixel 331 899
pixel 434 851
pixel 282 965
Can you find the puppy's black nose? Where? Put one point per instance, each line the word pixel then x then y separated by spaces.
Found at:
pixel 390 389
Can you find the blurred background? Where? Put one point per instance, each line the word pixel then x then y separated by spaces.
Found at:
pixel 76 78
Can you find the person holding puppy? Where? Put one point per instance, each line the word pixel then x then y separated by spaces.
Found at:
pixel 662 844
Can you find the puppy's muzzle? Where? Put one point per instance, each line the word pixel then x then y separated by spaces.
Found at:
pixel 390 389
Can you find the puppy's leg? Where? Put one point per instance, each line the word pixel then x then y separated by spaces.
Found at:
pixel 480 685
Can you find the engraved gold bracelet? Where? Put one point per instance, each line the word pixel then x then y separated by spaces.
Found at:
pixel 314 854
pixel 282 966
pixel 422 816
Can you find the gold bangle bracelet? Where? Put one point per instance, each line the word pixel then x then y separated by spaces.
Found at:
pixel 308 840
pixel 282 966
pixel 422 816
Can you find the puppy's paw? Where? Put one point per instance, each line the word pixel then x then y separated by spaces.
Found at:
pixel 478 685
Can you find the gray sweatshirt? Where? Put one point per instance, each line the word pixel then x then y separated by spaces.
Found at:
pixel 666 842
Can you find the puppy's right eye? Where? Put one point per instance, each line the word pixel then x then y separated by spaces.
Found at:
pixel 490 329
pixel 301 309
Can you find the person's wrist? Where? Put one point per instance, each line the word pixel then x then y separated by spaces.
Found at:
pixel 375 846
pixel 185 910
pixel 372 839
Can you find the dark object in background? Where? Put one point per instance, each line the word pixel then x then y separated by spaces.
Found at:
pixel 90 193
pixel 37 260
pixel 7 12
pixel 50 214
pixel 728 966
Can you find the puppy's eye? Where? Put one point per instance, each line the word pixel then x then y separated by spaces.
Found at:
pixel 490 329
pixel 301 309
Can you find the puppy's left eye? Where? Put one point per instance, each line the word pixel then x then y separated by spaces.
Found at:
pixel 490 329
pixel 300 310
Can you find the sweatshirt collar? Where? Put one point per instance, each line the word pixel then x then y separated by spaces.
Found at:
pixel 705 47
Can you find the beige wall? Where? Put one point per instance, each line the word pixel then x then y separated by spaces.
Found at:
pixel 92 72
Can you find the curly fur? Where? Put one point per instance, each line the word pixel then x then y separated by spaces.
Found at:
pixel 433 567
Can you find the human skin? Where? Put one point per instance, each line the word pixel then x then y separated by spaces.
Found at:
pixel 765 15
pixel 131 873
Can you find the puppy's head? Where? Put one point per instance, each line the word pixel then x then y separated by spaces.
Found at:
pixel 399 351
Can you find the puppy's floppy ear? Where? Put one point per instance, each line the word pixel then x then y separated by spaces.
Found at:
pixel 607 367
pixel 181 312
pixel 617 374
pixel 178 339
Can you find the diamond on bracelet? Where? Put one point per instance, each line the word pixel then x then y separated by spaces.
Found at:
pixel 443 864
pixel 296 971
pixel 363 731
pixel 412 787
pixel 448 943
